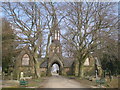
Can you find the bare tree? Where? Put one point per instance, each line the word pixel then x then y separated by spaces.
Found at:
pixel 27 20
pixel 82 26
pixel 31 21
pixel 84 23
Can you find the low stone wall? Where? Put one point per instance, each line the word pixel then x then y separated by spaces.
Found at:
pixel 89 70
pixel 43 72
pixel 67 71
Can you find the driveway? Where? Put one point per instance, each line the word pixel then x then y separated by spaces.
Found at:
pixel 57 81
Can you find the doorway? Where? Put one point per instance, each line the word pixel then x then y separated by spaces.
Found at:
pixel 55 69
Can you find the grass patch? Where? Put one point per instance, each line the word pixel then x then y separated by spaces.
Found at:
pixel 35 82
pixel 113 83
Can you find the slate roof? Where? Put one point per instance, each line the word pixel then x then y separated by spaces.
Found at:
pixel 67 63
pixel 44 64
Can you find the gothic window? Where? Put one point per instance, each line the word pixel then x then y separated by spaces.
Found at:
pixel 87 62
pixel 58 49
pixel 25 60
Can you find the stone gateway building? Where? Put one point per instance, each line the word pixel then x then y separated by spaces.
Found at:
pixel 67 66
pixel 24 65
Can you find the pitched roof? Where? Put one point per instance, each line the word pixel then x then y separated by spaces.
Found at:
pixel 44 65
pixel 67 63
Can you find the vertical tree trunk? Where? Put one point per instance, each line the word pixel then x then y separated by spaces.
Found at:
pixel 76 69
pixel 81 71
pixel 36 67
pixel 35 58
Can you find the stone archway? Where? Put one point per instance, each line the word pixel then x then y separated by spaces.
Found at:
pixel 55 68
pixel 59 63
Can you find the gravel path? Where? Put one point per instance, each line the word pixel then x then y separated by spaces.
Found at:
pixel 57 81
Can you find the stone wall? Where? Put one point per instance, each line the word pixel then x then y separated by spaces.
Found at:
pixel 43 71
pixel 88 70
pixel 28 70
pixel 67 71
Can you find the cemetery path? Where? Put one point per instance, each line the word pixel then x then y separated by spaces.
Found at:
pixel 57 81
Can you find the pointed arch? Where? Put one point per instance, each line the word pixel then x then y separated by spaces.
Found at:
pixel 25 60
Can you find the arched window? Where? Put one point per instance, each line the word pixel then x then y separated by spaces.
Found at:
pixel 25 60
pixel 87 62
pixel 58 49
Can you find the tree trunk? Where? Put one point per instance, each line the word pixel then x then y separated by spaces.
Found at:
pixel 76 68
pixel 36 67
pixel 36 63
pixel 81 71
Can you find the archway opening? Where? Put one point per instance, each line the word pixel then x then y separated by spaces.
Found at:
pixel 55 69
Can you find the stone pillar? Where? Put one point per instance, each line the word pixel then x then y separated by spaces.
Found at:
pixel 49 71
pixel 60 71
pixel 64 72
pixel 100 71
pixel 3 75
pixel 11 76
